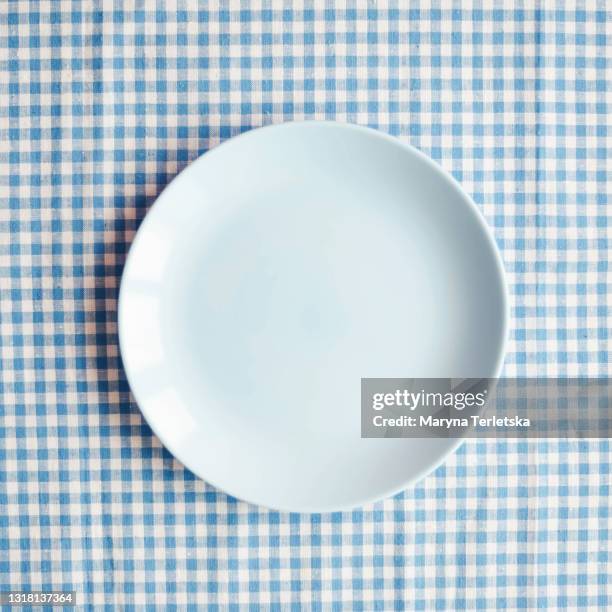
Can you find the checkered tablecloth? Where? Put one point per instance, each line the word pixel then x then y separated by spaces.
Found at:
pixel 102 103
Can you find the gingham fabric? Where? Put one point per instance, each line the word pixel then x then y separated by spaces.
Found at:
pixel 102 103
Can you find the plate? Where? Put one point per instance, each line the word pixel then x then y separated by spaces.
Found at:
pixel 275 272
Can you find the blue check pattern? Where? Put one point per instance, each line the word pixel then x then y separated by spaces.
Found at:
pixel 103 103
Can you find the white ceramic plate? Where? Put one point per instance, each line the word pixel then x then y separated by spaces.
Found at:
pixel 276 271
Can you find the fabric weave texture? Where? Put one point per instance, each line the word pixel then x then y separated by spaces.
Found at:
pixel 103 103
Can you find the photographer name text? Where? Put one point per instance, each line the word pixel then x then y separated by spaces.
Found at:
pixel 449 423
